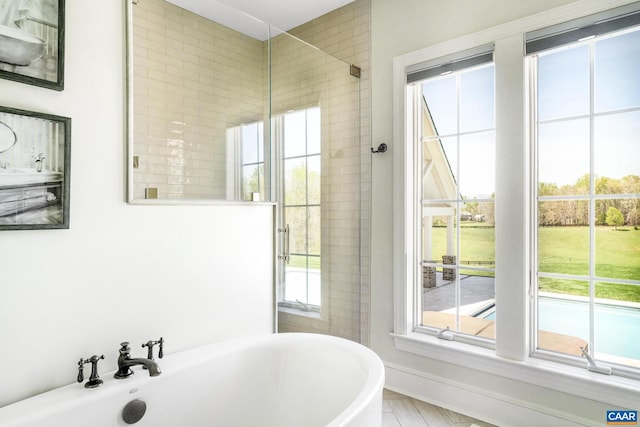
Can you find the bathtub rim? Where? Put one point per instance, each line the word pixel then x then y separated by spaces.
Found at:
pixel 69 396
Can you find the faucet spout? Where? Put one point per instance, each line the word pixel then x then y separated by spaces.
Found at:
pixel 124 367
pixel 125 362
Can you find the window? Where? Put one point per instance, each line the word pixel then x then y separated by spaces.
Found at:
pixel 455 188
pixel 252 161
pixel 586 106
pixel 245 160
pixel 566 198
pixel 300 208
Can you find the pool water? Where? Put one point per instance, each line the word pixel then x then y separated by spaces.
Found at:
pixel 617 329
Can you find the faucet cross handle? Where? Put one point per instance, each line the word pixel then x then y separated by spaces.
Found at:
pixel 94 379
pixel 125 350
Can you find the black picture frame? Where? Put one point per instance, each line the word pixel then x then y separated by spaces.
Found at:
pixel 32 46
pixel 35 170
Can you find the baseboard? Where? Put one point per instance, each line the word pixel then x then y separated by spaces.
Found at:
pixel 492 408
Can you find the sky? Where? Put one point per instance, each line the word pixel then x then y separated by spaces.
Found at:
pixel 474 115
pixel 564 101
pixel 564 82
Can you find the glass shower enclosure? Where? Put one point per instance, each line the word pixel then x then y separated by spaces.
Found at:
pixel 237 111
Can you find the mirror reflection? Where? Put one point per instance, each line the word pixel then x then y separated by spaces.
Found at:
pixel 199 101
pixel 7 137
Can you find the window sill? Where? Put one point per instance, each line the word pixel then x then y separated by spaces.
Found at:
pixel 298 312
pixel 613 390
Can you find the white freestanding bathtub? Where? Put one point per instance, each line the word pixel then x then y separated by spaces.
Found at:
pixel 297 380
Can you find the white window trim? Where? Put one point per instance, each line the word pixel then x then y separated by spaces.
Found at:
pixel 511 357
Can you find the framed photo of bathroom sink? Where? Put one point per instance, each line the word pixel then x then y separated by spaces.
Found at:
pixel 32 42
pixel 35 161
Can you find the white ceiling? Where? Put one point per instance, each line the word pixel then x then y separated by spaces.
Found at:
pixel 282 14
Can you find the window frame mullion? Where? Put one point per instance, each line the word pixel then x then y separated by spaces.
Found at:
pixel 592 199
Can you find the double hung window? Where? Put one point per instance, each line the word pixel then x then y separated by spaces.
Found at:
pixel 543 141
pixel 452 105
pixel 586 122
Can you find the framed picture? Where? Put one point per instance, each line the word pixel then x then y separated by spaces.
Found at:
pixel 35 161
pixel 32 42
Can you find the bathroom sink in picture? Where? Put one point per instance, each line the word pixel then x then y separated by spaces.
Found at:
pixel 15 170
pixel 26 176
pixel 18 47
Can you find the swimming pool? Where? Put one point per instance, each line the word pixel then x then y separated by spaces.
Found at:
pixel 617 328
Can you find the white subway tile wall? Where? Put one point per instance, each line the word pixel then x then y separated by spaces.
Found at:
pixel 193 79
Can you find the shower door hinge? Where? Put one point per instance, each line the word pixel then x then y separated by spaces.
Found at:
pixel 355 71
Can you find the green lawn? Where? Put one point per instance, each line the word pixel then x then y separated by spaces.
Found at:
pixel 564 250
pixel 476 243
pixel 298 261
pixel 614 291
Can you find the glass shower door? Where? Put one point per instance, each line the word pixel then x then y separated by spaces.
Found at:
pixel 315 110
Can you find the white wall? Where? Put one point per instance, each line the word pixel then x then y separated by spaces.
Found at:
pixel 395 31
pixel 190 274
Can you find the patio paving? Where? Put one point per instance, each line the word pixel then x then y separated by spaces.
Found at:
pixel 476 294
pixel 473 290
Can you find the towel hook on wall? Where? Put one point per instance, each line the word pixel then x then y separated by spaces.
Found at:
pixel 381 148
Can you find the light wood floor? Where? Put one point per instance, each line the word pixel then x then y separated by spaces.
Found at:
pixel 402 411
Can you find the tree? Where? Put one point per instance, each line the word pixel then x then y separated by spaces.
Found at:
pixel 577 212
pixel 472 207
pixel 633 217
pixel 614 217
